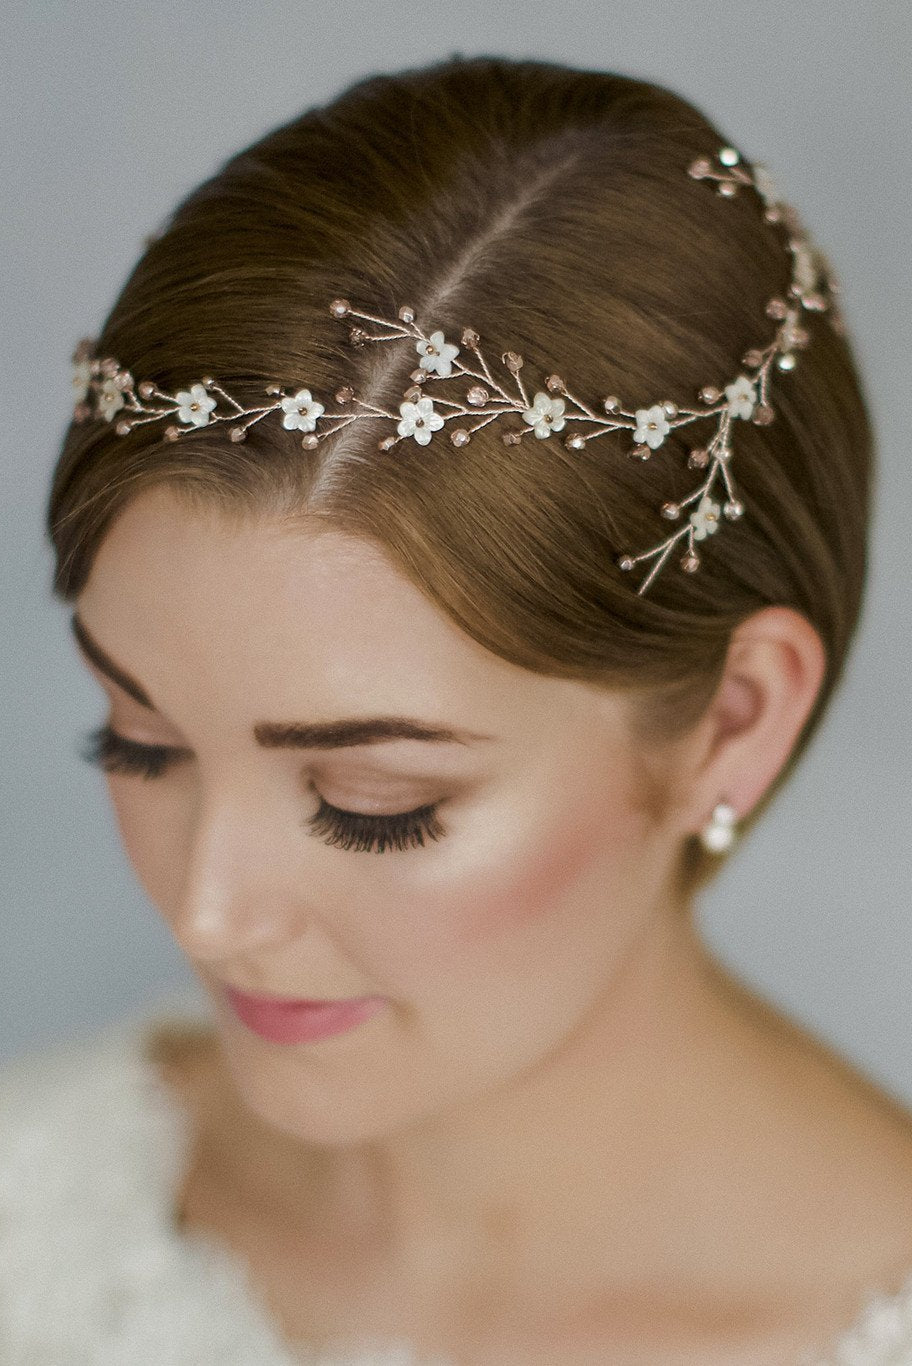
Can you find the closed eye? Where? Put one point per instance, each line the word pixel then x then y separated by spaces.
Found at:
pixel 114 753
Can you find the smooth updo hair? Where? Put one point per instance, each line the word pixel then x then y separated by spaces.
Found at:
pixel 550 209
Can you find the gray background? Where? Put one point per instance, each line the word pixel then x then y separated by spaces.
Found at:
pixel 111 112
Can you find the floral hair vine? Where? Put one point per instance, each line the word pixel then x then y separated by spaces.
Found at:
pixel 114 390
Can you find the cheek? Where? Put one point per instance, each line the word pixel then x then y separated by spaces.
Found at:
pixel 531 886
pixel 150 834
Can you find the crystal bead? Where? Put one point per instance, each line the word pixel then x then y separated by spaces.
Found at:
pixel 407 313
pixel 273 389
pixel 470 337
pixel 690 562
pixel 513 361
pixel 310 440
pixel 786 361
pixel 669 408
pixel 460 437
pixel 729 156
pixel 698 458
pixel 123 428
pixel 345 394
pixel 386 443
pixel 624 561
pixel 612 404
pixel 763 414
pixel 555 384
pixel 671 510
pixel 339 308
pixel 237 434
pixel 477 395
pixel 733 509
pixel 776 308
pixel 172 433
pixel 511 438
pixel 726 189
pixel 699 168
pixel 146 389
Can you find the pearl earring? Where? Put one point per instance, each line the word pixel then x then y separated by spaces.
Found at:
pixel 719 835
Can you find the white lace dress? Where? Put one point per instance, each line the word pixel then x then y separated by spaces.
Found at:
pixel 93 1271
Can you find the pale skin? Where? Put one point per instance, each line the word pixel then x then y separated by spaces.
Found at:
pixel 571 1134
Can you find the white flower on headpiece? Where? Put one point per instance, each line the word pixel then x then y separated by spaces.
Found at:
pixel 764 183
pixel 82 373
pixel 110 399
pixel 437 354
pixel 741 397
pixel 804 266
pixel 652 425
pixel 706 518
pixel 546 414
pixel 195 405
pixel 302 411
pixel 419 420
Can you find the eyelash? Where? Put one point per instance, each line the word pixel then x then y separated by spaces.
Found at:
pixel 347 829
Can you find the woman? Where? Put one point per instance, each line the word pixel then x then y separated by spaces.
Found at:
pixel 358 520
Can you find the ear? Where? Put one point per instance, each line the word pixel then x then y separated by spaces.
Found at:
pixel 775 665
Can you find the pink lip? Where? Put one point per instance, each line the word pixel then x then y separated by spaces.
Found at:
pixel 300 1021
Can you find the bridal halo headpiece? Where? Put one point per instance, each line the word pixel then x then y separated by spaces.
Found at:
pixel 105 390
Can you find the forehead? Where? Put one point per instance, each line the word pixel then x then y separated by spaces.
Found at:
pixel 193 602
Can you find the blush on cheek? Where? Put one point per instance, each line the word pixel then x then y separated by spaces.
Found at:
pixel 537 875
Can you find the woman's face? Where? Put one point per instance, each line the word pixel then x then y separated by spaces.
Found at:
pixel 490 943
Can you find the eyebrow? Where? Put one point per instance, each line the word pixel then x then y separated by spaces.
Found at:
pixel 340 734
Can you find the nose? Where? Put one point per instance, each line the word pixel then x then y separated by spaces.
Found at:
pixel 240 887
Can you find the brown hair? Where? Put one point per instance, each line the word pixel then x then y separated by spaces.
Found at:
pixel 548 208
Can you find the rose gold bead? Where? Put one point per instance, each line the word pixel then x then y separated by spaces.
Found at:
pixel 763 414
pixel 407 313
pixel 339 308
pixel 624 561
pixel 555 384
pixel 698 458
pixel 310 440
pixel 575 443
pixel 752 357
pixel 699 168
pixel 690 562
pixel 172 433
pixel 460 437
pixel 710 394
pixel 776 308
pixel 237 434
pixel 671 510
pixel 470 337
pixel 513 361
pixel 123 428
pixel 611 404
pixel 146 389
pixel 477 395
pixel 511 438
